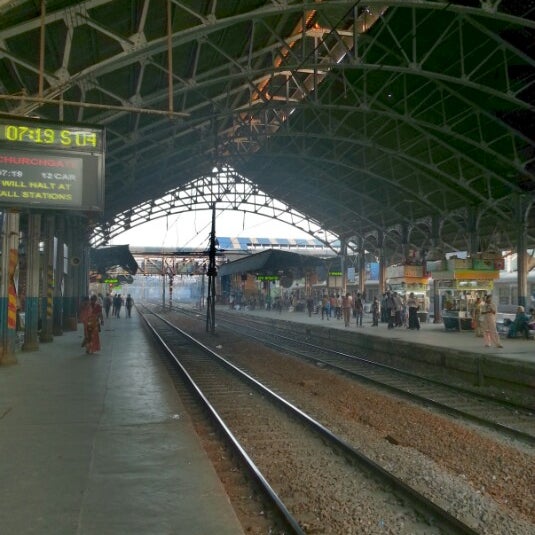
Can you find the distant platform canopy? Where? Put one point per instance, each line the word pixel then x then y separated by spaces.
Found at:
pixel 106 258
pixel 272 261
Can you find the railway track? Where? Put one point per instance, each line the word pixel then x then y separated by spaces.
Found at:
pixel 316 480
pixel 506 417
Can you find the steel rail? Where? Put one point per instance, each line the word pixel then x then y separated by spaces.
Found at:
pixel 243 455
pixel 528 438
pixel 421 502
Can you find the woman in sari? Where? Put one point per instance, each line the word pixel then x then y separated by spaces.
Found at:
pixel 93 320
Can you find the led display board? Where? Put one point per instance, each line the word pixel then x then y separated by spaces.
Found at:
pixel 47 165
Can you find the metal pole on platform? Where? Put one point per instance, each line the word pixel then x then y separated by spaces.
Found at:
pixel 212 274
pixel 201 304
pixel 8 291
pixel 31 325
pixel 163 282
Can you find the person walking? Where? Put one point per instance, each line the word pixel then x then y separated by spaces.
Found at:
pixel 488 323
pixel 129 304
pixel 107 305
pixel 117 304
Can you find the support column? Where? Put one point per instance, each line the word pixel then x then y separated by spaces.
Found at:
pixel 59 261
pixel 83 252
pixel 473 235
pixel 343 264
pixel 522 207
pixel 69 283
pixel 8 290
pixel 47 286
pixel 31 309
pixel 437 316
pixel 362 267
pixel 405 242
pixel 382 263
pixel 435 240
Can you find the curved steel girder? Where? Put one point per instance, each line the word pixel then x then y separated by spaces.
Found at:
pixel 141 49
pixel 408 191
pixel 227 190
pixel 401 151
pixel 408 119
pixel 431 130
pixel 443 181
pixel 221 80
pixel 414 4
pixel 212 78
pixel 455 218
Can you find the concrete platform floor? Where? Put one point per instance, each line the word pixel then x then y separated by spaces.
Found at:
pixel 100 444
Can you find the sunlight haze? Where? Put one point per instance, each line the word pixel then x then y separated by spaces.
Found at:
pixel 193 229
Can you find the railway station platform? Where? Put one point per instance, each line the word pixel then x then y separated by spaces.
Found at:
pixel 459 351
pixel 433 334
pixel 101 444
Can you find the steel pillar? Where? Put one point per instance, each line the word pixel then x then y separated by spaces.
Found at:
pixel 523 204
pixel 212 274
pixel 31 308
pixel 362 266
pixel 47 286
pixel 8 291
pixel 382 263
pixel 59 260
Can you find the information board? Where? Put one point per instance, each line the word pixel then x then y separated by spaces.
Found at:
pixel 51 166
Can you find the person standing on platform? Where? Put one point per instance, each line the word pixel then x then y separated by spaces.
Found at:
pixel 376 310
pixel 338 308
pixel 398 309
pixel 94 319
pixel 346 308
pixel 358 307
pixel 488 323
pixel 332 306
pixel 384 308
pixel 310 306
pixel 390 309
pixel 129 304
pixel 476 317
pixel 412 304
pixel 325 307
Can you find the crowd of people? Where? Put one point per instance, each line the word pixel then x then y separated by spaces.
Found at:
pixel 398 310
pixel 393 309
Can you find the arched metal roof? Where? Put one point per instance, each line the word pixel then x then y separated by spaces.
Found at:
pixel 404 120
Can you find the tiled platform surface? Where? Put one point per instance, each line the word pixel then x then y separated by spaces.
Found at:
pixel 101 445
